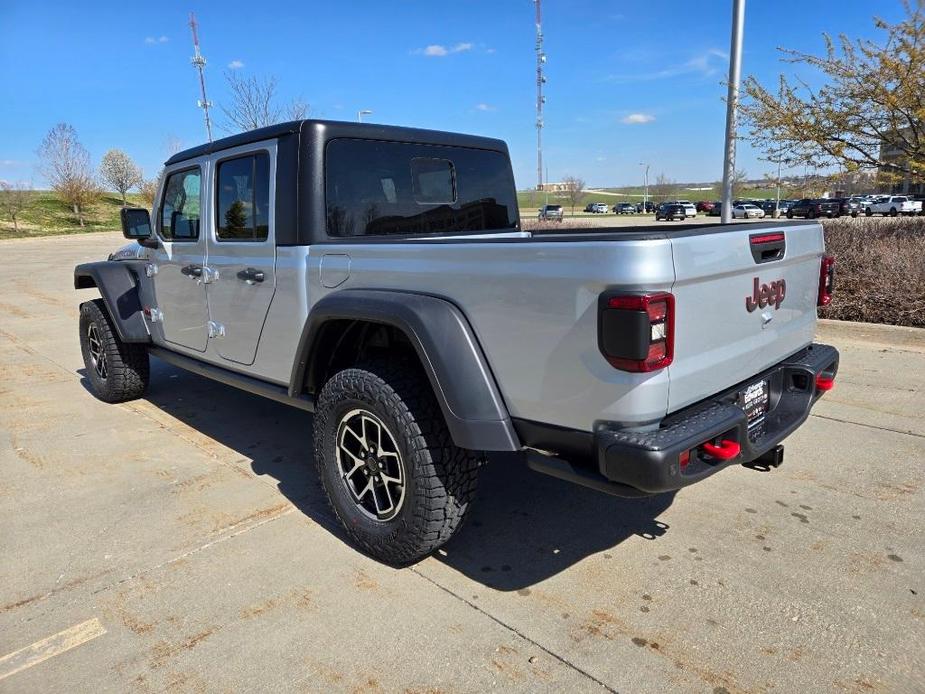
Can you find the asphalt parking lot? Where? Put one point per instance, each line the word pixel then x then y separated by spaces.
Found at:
pixel 182 543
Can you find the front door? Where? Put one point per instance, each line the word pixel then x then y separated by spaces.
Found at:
pixel 180 283
pixel 242 250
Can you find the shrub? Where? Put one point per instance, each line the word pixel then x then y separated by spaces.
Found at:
pixel 879 269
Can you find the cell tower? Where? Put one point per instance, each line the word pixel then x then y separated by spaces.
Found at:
pixel 199 62
pixel 540 99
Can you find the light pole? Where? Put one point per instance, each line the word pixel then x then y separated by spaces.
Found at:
pixel 732 105
pixel 360 115
pixel 645 196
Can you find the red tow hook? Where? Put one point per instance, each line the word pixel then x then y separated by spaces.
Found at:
pixel 726 450
pixel 824 382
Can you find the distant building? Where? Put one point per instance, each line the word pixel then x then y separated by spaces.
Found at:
pixel 554 187
pixel 899 183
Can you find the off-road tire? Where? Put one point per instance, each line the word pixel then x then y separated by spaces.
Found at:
pixel 127 370
pixel 440 478
pixel 789 214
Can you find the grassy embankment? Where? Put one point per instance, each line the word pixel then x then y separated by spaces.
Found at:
pixel 46 214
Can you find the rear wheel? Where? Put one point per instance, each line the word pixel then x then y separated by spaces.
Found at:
pixel 789 214
pixel 868 212
pixel 893 212
pixel 395 479
pixel 117 371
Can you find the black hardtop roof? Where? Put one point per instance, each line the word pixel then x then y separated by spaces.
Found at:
pixel 329 129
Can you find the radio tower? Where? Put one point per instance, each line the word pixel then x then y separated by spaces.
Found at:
pixel 200 63
pixel 540 99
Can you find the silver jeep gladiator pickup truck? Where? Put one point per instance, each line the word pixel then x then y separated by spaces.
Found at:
pixel 378 277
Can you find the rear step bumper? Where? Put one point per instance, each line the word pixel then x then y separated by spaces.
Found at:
pixel 654 462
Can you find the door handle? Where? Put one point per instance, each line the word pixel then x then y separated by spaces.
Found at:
pixel 192 271
pixel 251 275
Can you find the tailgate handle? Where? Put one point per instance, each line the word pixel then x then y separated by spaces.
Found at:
pixel 767 247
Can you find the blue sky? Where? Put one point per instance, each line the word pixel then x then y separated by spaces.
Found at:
pixel 628 81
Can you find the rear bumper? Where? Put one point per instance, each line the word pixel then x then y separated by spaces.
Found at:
pixel 651 462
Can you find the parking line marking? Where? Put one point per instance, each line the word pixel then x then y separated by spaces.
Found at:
pixel 57 644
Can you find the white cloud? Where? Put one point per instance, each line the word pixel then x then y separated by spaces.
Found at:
pixel 638 118
pixel 704 64
pixel 163 39
pixel 235 65
pixel 151 40
pixel 436 50
pixel 484 107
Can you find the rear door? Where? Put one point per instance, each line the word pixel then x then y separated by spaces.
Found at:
pixel 242 249
pixel 745 299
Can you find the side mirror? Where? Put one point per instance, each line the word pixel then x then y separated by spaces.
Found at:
pixel 136 223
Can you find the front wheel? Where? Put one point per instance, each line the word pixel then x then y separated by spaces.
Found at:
pixel 893 212
pixel 395 479
pixel 868 212
pixel 789 214
pixel 118 371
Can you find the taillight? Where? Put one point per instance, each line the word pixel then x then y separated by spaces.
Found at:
pixel 826 280
pixel 636 332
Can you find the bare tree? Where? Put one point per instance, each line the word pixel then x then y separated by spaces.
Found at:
pixel 14 198
pixel 254 103
pixel 574 190
pixel 148 189
pixel 739 178
pixel 66 164
pixel 664 188
pixel 118 170
pixel 172 145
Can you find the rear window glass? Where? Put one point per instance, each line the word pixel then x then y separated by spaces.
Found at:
pixel 377 188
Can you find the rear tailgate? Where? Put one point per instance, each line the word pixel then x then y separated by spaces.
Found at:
pixel 719 342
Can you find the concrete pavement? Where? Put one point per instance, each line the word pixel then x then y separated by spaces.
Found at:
pixel 182 543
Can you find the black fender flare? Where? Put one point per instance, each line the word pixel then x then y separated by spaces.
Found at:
pixel 447 347
pixel 117 282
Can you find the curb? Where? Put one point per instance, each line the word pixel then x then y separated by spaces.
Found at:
pixel 891 335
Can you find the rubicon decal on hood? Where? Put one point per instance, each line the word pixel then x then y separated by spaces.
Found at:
pixel 766 295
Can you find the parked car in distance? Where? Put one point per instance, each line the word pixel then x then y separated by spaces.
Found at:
pixel 551 213
pixel 670 211
pixel 624 208
pixel 893 205
pixel 921 200
pixel 716 210
pixel 649 206
pixel 852 206
pixel 810 208
pixel 704 206
pixel 689 208
pixel 747 210
pixel 600 208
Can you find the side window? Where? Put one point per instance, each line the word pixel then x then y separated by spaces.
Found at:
pixel 243 198
pixel 180 206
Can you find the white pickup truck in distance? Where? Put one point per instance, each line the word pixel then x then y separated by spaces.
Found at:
pixel 379 277
pixel 893 205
